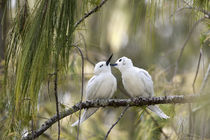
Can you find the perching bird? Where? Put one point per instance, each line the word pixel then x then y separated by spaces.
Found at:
pixel 137 82
pixel 101 86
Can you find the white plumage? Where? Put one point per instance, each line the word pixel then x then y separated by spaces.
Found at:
pixel 101 86
pixel 137 82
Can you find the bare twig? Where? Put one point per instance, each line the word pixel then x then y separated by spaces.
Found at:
pixel 56 99
pixel 188 6
pixel 190 120
pixel 205 79
pixel 196 109
pixel 157 124
pixel 86 51
pixel 198 66
pixel 90 12
pixel 82 84
pixel 185 43
pixel 48 88
pixel 121 115
pixel 201 90
pixel 206 13
pixel 138 101
pixel 32 128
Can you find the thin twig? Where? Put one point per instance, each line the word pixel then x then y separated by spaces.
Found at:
pixel 201 90
pixel 121 115
pixel 138 101
pixel 190 121
pixel 82 84
pixel 90 12
pixel 206 13
pixel 32 128
pixel 157 124
pixel 56 99
pixel 48 88
pixel 86 51
pixel 185 43
pixel 198 66
pixel 207 75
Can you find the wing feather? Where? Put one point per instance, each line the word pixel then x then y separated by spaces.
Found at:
pixel 147 81
pixel 92 87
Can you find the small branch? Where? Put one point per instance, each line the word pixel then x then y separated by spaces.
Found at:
pixel 206 13
pixel 196 74
pixel 32 128
pixel 157 124
pixel 82 88
pixel 207 75
pixel 90 12
pixel 56 99
pixel 185 43
pixel 190 121
pixel 86 51
pixel 138 101
pixel 121 115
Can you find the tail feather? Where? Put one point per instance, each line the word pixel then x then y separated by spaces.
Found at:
pixel 86 114
pixel 158 111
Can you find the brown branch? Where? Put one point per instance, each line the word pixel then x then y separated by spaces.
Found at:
pixel 90 12
pixel 56 99
pixel 189 7
pixel 185 43
pixel 82 56
pixel 121 115
pixel 157 124
pixel 138 101
pixel 198 66
pixel 206 13
pixel 86 51
pixel 207 75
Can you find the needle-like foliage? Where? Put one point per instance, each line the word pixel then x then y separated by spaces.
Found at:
pixel 39 44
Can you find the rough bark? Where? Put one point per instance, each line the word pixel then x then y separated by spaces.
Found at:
pixel 138 101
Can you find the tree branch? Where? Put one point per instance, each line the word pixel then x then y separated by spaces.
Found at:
pixel 121 115
pixel 82 84
pixel 207 75
pixel 56 98
pixel 90 12
pixel 206 13
pixel 184 45
pixel 138 101
pixel 198 66
pixel 157 124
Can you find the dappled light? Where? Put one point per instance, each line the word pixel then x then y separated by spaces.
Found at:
pixel 54 66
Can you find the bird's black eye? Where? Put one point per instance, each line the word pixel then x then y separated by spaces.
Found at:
pixel 101 65
pixel 120 60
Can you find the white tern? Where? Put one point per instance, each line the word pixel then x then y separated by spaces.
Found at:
pixel 137 82
pixel 101 86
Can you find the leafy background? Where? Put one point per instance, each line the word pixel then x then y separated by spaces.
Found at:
pixel 38 39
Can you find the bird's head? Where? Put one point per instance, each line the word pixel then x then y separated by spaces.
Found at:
pixel 103 66
pixel 123 63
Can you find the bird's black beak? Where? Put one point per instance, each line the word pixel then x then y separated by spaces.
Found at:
pixel 108 61
pixel 113 64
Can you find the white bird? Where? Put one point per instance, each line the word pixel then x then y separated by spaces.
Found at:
pixel 137 82
pixel 101 86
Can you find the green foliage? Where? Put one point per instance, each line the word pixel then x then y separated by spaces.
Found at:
pixel 38 41
pixel 41 39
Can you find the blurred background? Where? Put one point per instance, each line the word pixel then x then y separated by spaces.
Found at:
pixel 165 38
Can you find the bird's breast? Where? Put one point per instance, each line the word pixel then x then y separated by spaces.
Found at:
pixel 106 87
pixel 133 84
